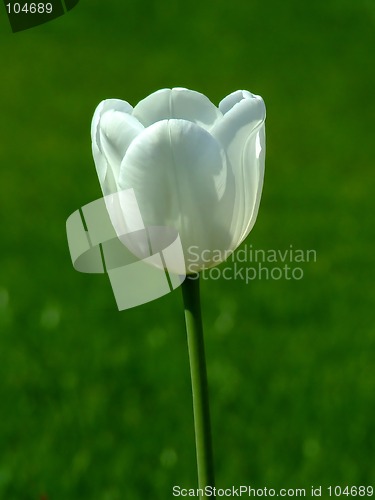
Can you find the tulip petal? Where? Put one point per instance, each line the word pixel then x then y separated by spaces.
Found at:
pixel 253 179
pixel 177 103
pixel 178 173
pixel 117 131
pixel 230 100
pixel 106 105
pixel 238 123
pixel 113 129
pixel 241 134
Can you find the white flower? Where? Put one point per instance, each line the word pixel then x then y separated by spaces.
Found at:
pixel 193 167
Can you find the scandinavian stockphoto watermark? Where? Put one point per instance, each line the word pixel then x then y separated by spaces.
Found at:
pixel 144 262
pixel 249 263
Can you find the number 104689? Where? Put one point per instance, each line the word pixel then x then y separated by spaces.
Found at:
pixel 29 8
pixel 351 491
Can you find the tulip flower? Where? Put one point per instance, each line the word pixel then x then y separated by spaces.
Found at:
pixel 193 166
pixel 196 169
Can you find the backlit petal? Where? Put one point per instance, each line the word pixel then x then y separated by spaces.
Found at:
pixel 112 130
pixel 252 184
pixel 177 103
pixel 230 100
pixel 241 134
pixel 117 130
pixel 179 176
pixel 238 123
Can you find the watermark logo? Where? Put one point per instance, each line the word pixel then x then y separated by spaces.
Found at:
pixel 142 263
pixel 25 15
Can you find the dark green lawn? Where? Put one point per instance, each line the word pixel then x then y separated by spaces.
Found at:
pixel 95 404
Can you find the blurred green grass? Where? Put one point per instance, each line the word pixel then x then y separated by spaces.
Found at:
pixel 96 404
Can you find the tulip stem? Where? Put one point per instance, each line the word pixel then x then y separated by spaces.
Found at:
pixel 194 329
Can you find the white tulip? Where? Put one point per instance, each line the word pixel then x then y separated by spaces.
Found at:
pixel 193 167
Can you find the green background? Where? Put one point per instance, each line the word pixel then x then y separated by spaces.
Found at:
pixel 96 403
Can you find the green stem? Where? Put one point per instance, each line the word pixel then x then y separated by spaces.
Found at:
pixel 194 329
